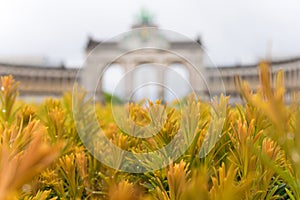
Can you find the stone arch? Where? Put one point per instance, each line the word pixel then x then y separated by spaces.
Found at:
pixel 131 60
pixel 177 81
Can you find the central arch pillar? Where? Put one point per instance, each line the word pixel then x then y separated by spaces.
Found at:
pixel 129 78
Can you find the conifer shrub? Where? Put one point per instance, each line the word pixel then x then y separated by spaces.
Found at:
pixel 256 156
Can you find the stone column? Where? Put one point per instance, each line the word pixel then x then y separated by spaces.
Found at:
pixel 197 73
pixel 298 77
pixel 161 75
pixel 90 77
pixel 161 82
pixel 129 79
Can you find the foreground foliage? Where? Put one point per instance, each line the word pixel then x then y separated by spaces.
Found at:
pixel 256 156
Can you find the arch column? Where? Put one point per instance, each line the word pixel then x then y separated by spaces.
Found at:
pixel 196 79
pixel 197 72
pixel 129 78
pixel 161 79
pixel 161 82
pixel 90 78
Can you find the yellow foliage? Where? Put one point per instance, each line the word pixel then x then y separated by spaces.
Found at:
pixel 249 151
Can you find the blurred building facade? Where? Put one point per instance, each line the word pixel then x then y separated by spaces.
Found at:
pixel 250 73
pixel 144 45
pixel 40 81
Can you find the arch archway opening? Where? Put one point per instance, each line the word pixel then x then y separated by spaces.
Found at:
pixel 176 81
pixel 110 83
pixel 147 83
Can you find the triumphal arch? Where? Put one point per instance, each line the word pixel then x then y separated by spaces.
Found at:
pixel 149 57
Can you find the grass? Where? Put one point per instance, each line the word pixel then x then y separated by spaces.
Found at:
pixel 256 155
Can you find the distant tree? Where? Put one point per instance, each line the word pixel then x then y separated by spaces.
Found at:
pixel 109 98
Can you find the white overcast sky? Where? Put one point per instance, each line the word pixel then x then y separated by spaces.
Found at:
pixel 233 31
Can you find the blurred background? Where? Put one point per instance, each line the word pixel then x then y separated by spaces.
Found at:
pixel 233 31
pixel 53 33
